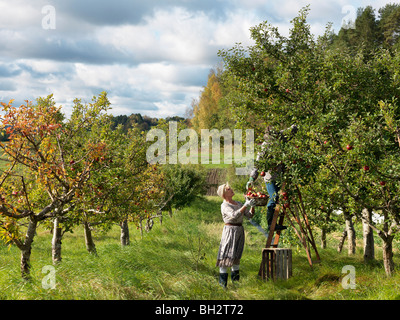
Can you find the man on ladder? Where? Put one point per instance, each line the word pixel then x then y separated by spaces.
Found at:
pixel 271 175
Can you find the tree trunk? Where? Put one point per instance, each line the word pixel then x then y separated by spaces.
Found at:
pixel 90 246
pixel 387 248
pixel 125 241
pixel 323 238
pixel 26 249
pixel 342 240
pixel 170 210
pixel 56 241
pixel 368 236
pixel 351 233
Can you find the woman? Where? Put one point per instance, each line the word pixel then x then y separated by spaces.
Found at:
pixel 232 240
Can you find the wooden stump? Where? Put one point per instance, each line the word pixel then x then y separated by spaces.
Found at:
pixel 276 263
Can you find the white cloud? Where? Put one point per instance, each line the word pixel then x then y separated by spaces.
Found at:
pixel 168 109
pixel 170 35
pixel 236 28
pixel 19 14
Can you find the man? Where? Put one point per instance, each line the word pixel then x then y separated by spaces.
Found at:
pixel 271 175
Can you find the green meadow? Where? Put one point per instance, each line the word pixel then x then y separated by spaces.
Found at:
pixel 176 260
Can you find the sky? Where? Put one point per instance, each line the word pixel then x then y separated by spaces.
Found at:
pixel 152 57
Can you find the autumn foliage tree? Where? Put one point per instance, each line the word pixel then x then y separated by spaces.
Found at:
pixel 209 111
pixel 39 182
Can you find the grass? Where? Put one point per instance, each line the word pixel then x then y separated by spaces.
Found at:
pixel 176 260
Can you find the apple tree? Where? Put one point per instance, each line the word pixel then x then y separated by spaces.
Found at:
pixel 38 183
pixel 345 108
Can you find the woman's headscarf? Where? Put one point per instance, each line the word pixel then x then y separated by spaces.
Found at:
pixel 221 189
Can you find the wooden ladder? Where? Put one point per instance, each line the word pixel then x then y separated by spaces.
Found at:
pixel 277 214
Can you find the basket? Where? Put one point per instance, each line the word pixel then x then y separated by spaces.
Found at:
pixel 260 202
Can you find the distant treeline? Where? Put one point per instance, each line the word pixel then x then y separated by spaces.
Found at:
pixel 144 123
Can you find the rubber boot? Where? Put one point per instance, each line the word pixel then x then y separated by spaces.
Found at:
pixel 223 279
pixel 235 276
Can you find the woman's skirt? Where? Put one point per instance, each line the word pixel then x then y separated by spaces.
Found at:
pixel 231 246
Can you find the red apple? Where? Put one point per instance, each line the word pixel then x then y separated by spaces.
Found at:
pixel 287 91
pixel 366 168
pixel 262 174
pixel 382 183
pixel 349 147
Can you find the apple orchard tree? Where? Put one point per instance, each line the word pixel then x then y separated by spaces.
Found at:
pixel 49 162
pixel 347 110
pixel 123 188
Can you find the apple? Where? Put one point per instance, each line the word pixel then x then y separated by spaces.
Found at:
pixel 287 91
pixel 325 142
pixel 349 147
pixel 72 162
pixel 14 193
pixel 266 89
pixel 382 183
pixel 262 174
pixel 366 168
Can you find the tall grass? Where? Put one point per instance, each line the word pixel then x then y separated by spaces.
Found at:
pixel 176 260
